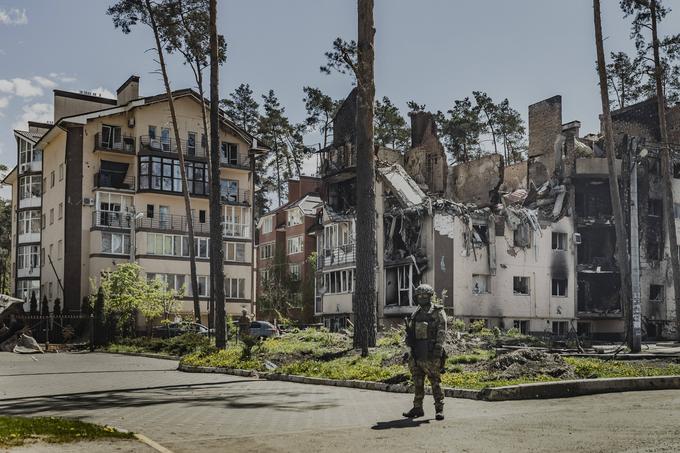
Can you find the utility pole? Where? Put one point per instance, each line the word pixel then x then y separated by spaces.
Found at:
pixel 636 343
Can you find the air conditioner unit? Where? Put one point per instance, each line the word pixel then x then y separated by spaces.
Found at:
pixel 88 201
pixel 577 238
pixel 24 168
pixel 131 122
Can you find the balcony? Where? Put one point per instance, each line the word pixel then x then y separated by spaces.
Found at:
pixel 117 143
pixel 235 161
pixel 30 167
pixel 237 197
pixel 169 146
pixel 111 219
pixel 341 255
pixel 172 223
pixel 105 180
pixel 337 161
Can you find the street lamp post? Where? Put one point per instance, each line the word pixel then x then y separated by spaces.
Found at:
pixel 635 250
pixel 132 217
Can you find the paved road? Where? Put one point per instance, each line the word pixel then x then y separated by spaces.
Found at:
pixel 204 412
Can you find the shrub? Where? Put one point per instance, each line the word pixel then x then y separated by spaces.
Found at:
pixel 477 326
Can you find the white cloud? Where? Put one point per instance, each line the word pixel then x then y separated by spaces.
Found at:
pixel 45 82
pixel 62 77
pixel 35 112
pixel 13 16
pixel 4 102
pixel 103 92
pixel 21 87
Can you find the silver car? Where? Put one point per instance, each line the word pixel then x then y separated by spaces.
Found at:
pixel 263 329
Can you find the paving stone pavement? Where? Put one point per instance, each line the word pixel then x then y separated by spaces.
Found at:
pixel 211 412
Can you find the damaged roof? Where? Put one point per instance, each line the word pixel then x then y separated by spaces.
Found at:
pixel 402 185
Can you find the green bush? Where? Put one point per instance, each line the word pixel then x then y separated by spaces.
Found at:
pixel 478 326
pixel 457 325
pixel 179 345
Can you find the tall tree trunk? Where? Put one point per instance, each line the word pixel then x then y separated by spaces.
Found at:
pixel 491 128
pixel 216 247
pixel 182 168
pixel 621 230
pixel 666 168
pixel 364 294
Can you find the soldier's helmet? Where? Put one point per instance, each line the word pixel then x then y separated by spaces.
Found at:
pixel 424 289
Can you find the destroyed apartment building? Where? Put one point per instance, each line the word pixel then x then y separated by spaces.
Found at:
pixel 529 246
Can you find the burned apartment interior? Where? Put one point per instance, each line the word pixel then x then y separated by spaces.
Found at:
pixel 565 175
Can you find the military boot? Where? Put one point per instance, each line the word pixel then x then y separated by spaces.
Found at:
pixel 414 412
pixel 439 415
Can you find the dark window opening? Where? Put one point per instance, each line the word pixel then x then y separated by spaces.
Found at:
pixel 521 236
pixel 201 216
pixel 676 170
pixel 583 329
pixel 655 208
pixel 480 235
pixel 599 293
pixel 653 166
pixel 593 200
pixel 559 287
pixel 598 247
pixel 560 328
pixel 656 293
pixel 521 325
pixel 500 227
pixel 559 241
pixel 149 211
pixel 520 285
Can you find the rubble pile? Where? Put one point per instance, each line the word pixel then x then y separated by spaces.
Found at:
pixel 529 363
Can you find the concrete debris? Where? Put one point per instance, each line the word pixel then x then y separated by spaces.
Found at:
pixel 27 345
pixel 529 363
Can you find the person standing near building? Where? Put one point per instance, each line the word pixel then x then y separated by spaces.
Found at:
pixel 425 336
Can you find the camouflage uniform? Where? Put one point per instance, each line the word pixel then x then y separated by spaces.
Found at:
pixel 425 337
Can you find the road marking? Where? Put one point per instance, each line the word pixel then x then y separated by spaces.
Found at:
pixel 151 443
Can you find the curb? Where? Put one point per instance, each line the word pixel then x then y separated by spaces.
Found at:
pixel 148 355
pixel 539 390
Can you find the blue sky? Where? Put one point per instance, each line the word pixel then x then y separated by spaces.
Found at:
pixel 431 51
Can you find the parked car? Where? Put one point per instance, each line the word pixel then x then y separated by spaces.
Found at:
pixel 263 329
pixel 178 328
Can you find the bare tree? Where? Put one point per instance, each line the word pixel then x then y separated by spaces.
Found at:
pixel 127 13
pixel 621 230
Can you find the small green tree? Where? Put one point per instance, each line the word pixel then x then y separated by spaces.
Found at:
pixel 281 289
pixel 390 126
pixel 124 290
pixel 160 301
pixel 56 310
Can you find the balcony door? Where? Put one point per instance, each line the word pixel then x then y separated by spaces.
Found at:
pixel 165 139
pixel 164 217
pixel 112 137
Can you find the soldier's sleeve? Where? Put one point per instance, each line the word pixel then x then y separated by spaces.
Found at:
pixel 441 332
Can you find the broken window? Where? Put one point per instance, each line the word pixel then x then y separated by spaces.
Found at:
pixel 656 293
pixel 521 236
pixel 481 284
pixel 480 235
pixel 500 227
pixel 520 286
pixel 400 282
pixel 521 325
pixel 559 287
pixel 654 168
pixel 559 241
pixel 655 208
pixel 676 170
pixel 676 210
pixel 560 327
pixel 583 329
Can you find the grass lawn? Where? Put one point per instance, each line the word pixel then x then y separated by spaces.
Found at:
pixel 317 353
pixel 15 431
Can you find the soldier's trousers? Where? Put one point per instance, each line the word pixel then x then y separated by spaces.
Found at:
pixel 419 370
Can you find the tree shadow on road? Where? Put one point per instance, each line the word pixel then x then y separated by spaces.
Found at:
pixel 208 395
pixel 400 423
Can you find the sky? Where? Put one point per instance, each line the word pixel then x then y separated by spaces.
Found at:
pixel 430 51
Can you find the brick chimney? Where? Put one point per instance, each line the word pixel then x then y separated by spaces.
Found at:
pixel 128 91
pixel 293 190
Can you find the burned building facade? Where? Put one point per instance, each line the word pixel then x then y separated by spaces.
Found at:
pixel 530 245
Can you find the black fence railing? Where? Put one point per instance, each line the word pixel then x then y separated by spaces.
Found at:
pixel 169 145
pixel 114 181
pixel 236 197
pixel 112 142
pixel 172 222
pixel 111 219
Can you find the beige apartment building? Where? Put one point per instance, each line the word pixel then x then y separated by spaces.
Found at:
pixel 101 186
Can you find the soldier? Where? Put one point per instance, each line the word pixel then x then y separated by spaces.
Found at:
pixel 425 335
pixel 244 324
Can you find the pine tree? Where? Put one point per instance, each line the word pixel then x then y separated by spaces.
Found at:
pixel 44 307
pixel 33 305
pixel 242 108
pixel 390 127
pixel 321 109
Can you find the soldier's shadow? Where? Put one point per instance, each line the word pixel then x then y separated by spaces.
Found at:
pixel 400 423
